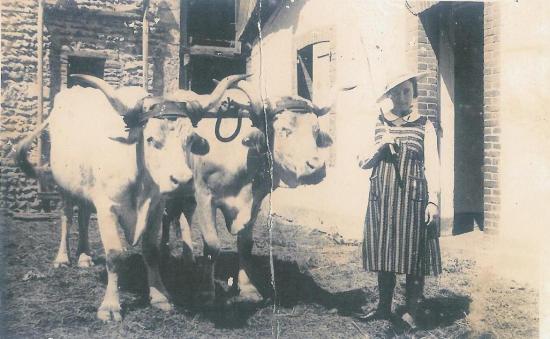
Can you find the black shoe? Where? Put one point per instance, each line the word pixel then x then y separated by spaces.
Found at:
pixel 375 314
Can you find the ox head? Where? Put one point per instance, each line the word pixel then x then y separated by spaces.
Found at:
pixel 291 125
pixel 165 125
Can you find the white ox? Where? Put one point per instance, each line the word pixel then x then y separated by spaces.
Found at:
pixel 98 164
pixel 236 176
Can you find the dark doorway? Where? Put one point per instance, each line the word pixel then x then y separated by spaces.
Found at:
pixel 212 22
pixel 84 65
pixel 205 68
pixel 468 56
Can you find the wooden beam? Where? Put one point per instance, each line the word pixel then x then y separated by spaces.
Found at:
pixel 40 74
pixel 145 48
pixel 185 58
pixel 228 52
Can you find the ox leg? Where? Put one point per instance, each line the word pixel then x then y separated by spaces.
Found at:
pixel 107 222
pixel 185 221
pixel 207 222
pixel 247 291
pixel 171 216
pixel 179 214
pixel 83 252
pixel 151 254
pixel 62 258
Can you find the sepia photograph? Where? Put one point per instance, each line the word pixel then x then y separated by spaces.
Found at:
pixel 274 169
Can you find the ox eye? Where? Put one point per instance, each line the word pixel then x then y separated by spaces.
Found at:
pixel 154 143
pixel 286 131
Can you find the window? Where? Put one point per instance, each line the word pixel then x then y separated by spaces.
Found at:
pixel 211 23
pixel 313 70
pixel 84 65
pixel 314 82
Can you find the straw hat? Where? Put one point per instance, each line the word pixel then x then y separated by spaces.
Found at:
pixel 400 78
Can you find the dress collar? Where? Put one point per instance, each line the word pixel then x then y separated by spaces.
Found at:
pixel 412 116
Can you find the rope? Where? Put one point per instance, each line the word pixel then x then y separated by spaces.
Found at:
pixel 232 137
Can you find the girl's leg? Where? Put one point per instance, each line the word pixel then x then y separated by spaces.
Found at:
pixel 386 285
pixel 414 293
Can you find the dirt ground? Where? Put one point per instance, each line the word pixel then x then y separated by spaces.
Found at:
pixel 319 284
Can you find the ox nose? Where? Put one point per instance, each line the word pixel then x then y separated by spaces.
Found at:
pixel 174 180
pixel 314 163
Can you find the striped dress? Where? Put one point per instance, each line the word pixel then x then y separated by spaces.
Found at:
pixel 396 238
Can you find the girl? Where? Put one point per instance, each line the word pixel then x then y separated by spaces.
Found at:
pixel 401 234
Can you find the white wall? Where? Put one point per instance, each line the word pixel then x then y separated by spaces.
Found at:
pixel 361 28
pixel 525 146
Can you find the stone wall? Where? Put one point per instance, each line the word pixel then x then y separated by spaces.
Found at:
pixel 19 97
pixel 108 29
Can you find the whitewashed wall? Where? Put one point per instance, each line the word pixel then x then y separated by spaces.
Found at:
pixel 360 29
pixel 525 156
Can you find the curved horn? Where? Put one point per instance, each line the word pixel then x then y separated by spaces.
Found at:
pixel 320 111
pixel 209 101
pixel 256 104
pixel 111 94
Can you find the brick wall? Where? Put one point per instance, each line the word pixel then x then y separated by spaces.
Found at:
pixel 421 57
pixel 92 30
pixel 491 194
pixel 428 97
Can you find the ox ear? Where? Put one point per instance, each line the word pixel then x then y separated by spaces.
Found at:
pixel 198 145
pixel 256 140
pixel 323 139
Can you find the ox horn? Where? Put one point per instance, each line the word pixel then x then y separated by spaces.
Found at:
pixel 206 101
pixel 123 108
pixel 217 94
pixel 256 104
pixel 320 111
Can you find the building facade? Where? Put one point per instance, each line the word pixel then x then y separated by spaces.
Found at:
pixel 341 53
pixel 473 95
pixel 102 38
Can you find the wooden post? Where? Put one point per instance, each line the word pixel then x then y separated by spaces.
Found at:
pixel 185 55
pixel 40 75
pixel 145 47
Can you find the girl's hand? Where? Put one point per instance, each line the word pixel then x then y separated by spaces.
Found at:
pixel 362 160
pixel 432 213
pixel 387 139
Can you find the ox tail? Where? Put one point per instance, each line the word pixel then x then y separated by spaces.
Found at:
pixel 22 150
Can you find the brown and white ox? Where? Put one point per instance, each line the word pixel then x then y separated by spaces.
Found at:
pixel 98 164
pixel 235 176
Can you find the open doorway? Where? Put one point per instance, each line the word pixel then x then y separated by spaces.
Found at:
pixel 455 32
pixel 468 56
pixel 209 49
pixel 84 65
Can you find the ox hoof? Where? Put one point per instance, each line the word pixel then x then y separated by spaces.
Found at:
pixel 106 313
pixel 158 300
pixel 162 305
pixel 61 261
pixel 248 295
pixel 85 261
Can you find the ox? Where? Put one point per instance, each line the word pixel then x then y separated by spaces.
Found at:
pixel 283 146
pixel 123 176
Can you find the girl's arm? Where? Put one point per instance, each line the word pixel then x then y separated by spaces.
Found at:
pixel 374 149
pixel 431 163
